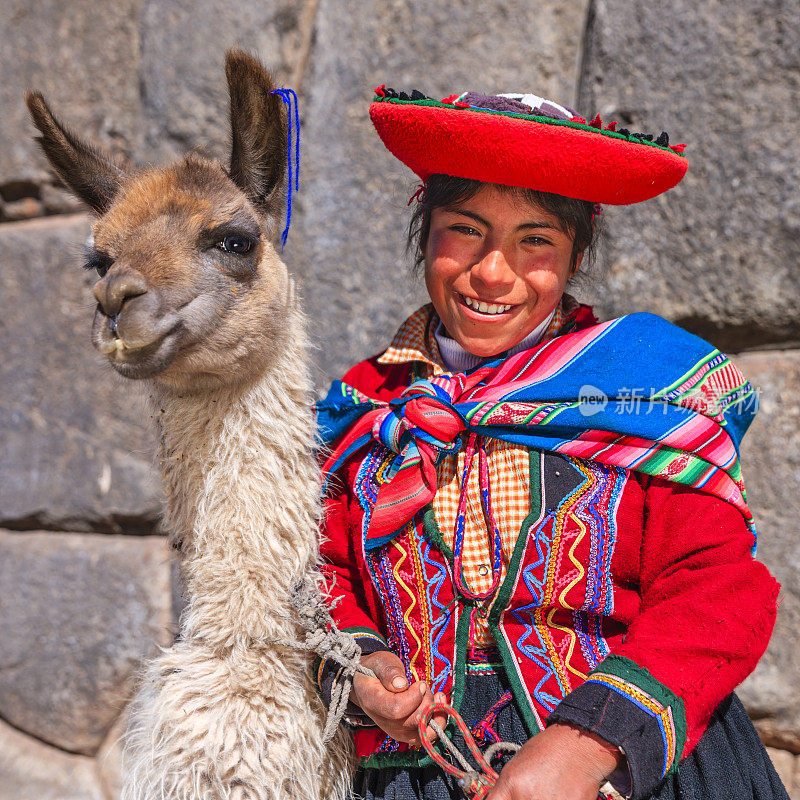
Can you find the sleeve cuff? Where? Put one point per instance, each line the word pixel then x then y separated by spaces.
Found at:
pixel 327 671
pixel 624 704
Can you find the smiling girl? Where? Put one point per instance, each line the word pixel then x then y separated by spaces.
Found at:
pixel 576 579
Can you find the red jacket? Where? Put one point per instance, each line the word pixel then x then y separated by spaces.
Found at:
pixel 631 607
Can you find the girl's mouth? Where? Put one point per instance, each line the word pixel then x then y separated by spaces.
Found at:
pixel 489 309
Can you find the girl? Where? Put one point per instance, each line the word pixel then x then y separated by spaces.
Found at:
pixel 534 517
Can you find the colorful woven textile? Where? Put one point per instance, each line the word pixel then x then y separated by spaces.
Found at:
pixel 509 465
pixel 636 392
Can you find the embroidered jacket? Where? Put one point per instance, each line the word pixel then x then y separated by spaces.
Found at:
pixel 630 605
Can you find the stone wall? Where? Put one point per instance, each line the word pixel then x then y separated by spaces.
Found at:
pixel 85 588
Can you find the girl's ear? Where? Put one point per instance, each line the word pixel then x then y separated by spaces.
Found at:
pixel 90 174
pixel 258 131
pixel 577 265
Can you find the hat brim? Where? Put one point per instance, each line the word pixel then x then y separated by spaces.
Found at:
pixel 555 156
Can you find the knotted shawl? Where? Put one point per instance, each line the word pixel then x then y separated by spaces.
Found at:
pixel 636 392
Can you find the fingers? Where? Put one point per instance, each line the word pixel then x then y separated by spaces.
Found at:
pixel 400 707
pixel 388 669
pixel 440 719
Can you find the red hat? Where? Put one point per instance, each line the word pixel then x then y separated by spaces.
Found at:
pixel 524 140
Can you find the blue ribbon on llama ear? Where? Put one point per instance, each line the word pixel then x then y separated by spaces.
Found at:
pixel 289 97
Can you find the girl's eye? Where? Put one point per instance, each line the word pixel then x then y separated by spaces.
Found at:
pixel 238 245
pixel 536 240
pixel 465 229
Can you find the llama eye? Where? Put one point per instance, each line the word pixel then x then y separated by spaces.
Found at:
pixel 99 262
pixel 239 245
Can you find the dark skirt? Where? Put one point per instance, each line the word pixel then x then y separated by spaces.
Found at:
pixel 729 762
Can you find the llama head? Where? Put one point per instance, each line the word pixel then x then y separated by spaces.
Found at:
pixel 191 289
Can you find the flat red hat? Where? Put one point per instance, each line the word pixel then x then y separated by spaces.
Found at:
pixel 544 146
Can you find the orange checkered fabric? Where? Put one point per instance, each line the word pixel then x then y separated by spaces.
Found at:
pixel 508 463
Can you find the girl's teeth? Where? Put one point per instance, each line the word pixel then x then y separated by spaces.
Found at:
pixel 485 308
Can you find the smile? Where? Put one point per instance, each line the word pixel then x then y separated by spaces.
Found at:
pixel 485 308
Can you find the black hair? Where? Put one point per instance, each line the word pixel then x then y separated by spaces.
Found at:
pixel 575 216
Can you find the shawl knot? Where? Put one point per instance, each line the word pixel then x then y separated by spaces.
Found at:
pixel 423 419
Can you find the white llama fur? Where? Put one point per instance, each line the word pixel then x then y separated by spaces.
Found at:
pixel 221 714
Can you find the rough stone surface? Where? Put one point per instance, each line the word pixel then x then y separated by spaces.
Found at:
pixel 109 759
pixel 796 780
pixel 771 465
pixel 348 239
pixel 783 761
pixel 182 80
pixel 78 612
pixel 719 253
pixel 84 59
pixel 31 770
pixel 77 439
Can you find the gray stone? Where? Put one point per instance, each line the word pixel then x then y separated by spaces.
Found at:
pixel 84 57
pixel 719 253
pixel 796 780
pixel 109 759
pixel 57 200
pixel 350 216
pixel 26 208
pixel 771 467
pixel 31 770
pixel 78 612
pixel 783 761
pixel 77 439
pixel 182 79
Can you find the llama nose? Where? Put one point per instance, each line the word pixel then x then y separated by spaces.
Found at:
pixel 116 287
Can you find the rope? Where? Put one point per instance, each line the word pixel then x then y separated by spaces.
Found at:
pixel 475 784
pixel 324 638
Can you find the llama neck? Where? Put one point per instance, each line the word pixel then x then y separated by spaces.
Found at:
pixel 243 492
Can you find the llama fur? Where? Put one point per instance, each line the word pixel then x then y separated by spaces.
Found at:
pixel 223 713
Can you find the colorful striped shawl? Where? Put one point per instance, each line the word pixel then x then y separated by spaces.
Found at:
pixel 637 392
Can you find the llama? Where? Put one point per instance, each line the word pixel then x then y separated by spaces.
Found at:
pixel 193 298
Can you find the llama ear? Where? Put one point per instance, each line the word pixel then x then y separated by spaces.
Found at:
pixel 86 170
pixel 258 130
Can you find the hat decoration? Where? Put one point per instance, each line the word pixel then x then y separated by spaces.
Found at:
pixel 527 141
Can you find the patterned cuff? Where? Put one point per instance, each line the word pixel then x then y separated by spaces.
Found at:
pixel 327 671
pixel 625 705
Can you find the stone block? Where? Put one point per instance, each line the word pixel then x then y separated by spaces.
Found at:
pixel 719 253
pixel 78 613
pixel 783 761
pixel 182 79
pixel 771 467
pixel 84 57
pixel 77 438
pixel 32 770
pixel 348 238
pixel 109 759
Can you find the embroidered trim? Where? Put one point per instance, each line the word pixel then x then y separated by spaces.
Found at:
pixel 643 690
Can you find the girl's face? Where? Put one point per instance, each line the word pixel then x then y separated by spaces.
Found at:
pixel 495 267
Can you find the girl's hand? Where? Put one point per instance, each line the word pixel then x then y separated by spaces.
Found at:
pixel 560 763
pixel 389 701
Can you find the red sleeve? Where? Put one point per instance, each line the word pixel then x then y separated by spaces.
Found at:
pixel 708 608
pixel 706 616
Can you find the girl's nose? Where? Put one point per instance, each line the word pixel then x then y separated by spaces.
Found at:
pixel 493 269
